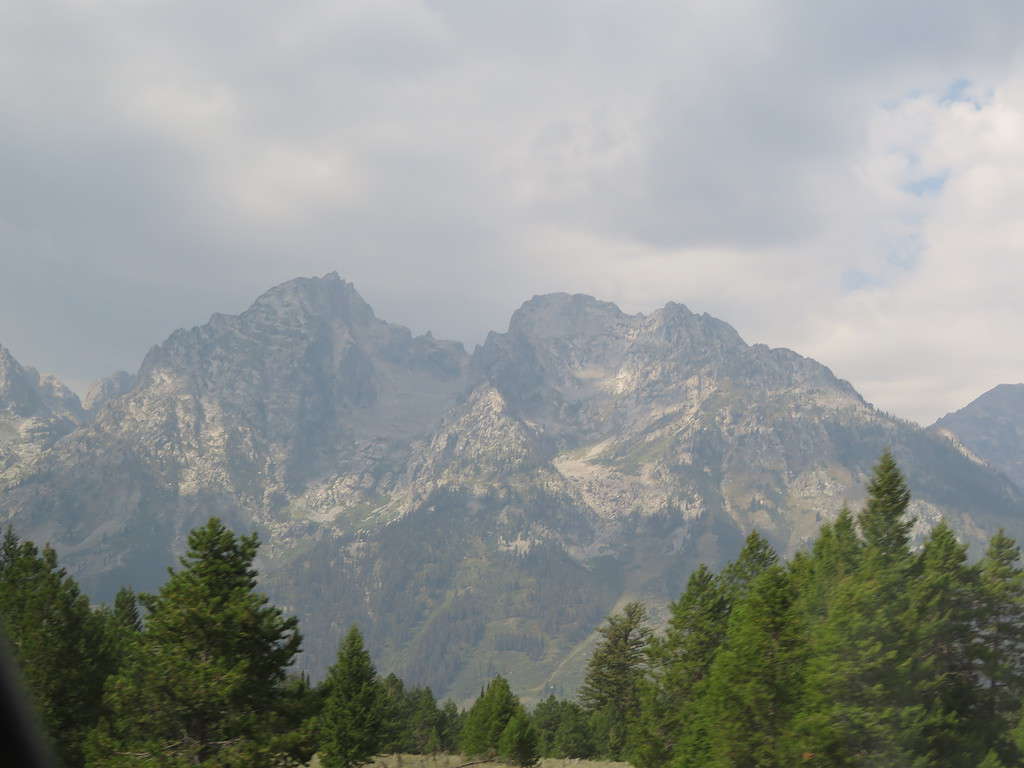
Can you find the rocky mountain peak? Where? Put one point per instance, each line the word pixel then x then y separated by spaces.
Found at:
pixel 106 389
pixel 561 315
pixel 991 427
pixel 24 392
pixel 327 298
pixel 18 394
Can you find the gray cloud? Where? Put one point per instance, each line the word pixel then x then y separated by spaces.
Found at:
pixel 162 161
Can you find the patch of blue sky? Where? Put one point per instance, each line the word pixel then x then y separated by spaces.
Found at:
pixel 905 252
pixel 958 91
pixel 853 280
pixel 927 186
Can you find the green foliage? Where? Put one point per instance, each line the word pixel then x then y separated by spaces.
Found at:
pixel 563 729
pixel 943 596
pixel 60 645
pixel 615 675
pixel 518 742
pixel 679 664
pixel 487 718
pixel 858 652
pixel 1000 643
pixel 352 721
pixel 204 683
pixel 858 706
pixel 756 557
pixel 755 682
pixel 412 721
pixel 883 521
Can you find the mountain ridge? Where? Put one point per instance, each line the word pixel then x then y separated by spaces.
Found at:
pixel 474 513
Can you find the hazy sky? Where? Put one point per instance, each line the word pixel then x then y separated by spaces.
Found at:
pixel 842 178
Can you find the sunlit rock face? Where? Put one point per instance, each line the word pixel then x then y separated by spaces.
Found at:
pixel 474 514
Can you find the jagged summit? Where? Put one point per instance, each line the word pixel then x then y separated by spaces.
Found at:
pixel 474 514
pixel 103 391
pixel 35 412
pixel 313 297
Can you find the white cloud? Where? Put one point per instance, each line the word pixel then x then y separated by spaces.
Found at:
pixel 798 170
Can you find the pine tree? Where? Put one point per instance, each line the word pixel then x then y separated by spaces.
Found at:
pixel 352 720
pixel 756 557
pixel 518 742
pixel 424 722
pixel 487 718
pixel 204 680
pixel 858 708
pixel 883 520
pixel 836 555
pixel 615 675
pixel 449 727
pixel 126 610
pixel 679 665
pixel 547 716
pixel 562 730
pixel 755 681
pixel 943 600
pixel 395 717
pixel 1000 644
pixel 59 644
pixel 573 739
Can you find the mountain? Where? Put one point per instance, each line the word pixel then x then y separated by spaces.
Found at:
pixel 991 428
pixel 35 411
pixel 481 513
pixel 105 390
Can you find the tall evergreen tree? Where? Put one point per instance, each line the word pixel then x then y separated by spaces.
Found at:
pixel 562 729
pixel 1000 644
pixel 615 675
pixel 487 718
pixel 204 681
pixel 836 555
pixel 756 557
pixel 58 642
pixel 351 723
pixel 395 717
pixel 449 727
pixel 679 664
pixel 858 708
pixel 755 681
pixel 518 742
pixel 943 601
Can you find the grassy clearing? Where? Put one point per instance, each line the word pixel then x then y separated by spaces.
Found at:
pixel 451 761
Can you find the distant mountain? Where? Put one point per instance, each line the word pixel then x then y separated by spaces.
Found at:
pixel 992 429
pixel 479 513
pixel 35 411
pixel 103 391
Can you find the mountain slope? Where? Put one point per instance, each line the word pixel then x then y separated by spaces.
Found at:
pixel 35 411
pixel 474 514
pixel 991 428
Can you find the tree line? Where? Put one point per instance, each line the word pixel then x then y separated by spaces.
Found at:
pixel 859 651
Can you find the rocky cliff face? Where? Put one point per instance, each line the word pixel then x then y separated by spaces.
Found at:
pixel 103 391
pixel 991 429
pixel 35 411
pixel 474 514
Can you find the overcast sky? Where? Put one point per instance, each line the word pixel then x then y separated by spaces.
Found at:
pixel 842 178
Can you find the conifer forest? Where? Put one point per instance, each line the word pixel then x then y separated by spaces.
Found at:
pixel 867 648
